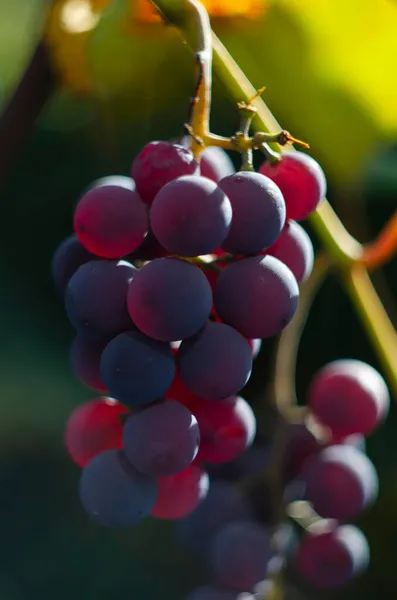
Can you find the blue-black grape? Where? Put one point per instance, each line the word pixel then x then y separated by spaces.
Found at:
pixel 223 504
pixel 96 298
pixel 169 299
pixel 215 363
pixel 85 358
pixel 191 216
pixel 68 257
pixel 240 555
pixel 330 556
pixel 115 494
pixel 340 482
pixel 136 369
pixel 161 439
pixel 258 296
pixel 258 212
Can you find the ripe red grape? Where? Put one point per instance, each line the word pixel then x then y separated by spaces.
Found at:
pixel 68 257
pixel 216 362
pixel 294 249
pixel 227 427
pixel 137 370
pixel 349 396
pixel 118 180
pixel 115 494
pixel 85 357
pixel 169 299
pixel 240 554
pixel 181 493
pixel 215 163
pixel 330 556
pixel 96 298
pixel 258 296
pixel 111 221
pixel 191 216
pixel 258 212
pixel 340 482
pixel 157 164
pixel 301 180
pixel 161 439
pixel 93 427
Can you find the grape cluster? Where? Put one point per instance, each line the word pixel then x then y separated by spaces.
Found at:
pixel 172 279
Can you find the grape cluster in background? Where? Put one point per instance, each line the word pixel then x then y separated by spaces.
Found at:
pixel 173 277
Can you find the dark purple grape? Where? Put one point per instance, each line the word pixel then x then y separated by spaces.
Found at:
pixel 215 363
pixel 223 504
pixel 240 555
pixel 169 299
pixel 161 439
pixel 340 482
pixel 191 216
pixel 206 592
pixel 68 257
pixel 136 369
pixel 85 357
pixel 115 494
pixel 258 212
pixel 96 298
pixel 258 296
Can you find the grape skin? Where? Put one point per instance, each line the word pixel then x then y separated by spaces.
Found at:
pixel 330 556
pixel 215 163
pixel 227 427
pixel 68 257
pixel 169 299
pixel 94 427
pixel 157 164
pixel 258 296
pixel 162 439
pixel 258 212
pixel 96 298
pixel 349 397
pixel 85 358
pixel 137 370
pixel 295 249
pixel 340 482
pixel 191 216
pixel 180 494
pixel 240 554
pixel 216 362
pixel 223 504
pixel 115 494
pixel 301 181
pixel 111 221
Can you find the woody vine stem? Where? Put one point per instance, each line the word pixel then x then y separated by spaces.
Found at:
pixel 347 257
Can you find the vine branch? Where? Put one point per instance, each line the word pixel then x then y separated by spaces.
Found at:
pixel 24 107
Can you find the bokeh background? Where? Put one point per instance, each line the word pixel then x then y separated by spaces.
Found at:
pixel 329 71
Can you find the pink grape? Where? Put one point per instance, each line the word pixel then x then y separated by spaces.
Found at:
pixel 295 250
pixel 157 164
pixel 215 163
pixel 301 181
pixel 181 493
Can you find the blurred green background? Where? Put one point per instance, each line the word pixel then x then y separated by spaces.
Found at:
pixel 329 71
